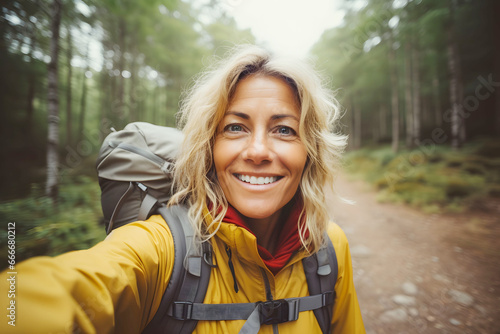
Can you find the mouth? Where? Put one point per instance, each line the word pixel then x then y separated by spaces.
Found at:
pixel 260 180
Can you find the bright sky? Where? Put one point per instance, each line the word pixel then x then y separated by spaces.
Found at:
pixel 288 26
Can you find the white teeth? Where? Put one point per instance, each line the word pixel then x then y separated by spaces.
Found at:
pixel 257 180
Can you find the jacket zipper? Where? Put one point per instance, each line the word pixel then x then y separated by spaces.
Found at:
pixel 231 267
pixel 269 294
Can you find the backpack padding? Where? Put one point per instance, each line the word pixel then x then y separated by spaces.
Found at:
pixel 182 285
pixel 114 196
pixel 321 280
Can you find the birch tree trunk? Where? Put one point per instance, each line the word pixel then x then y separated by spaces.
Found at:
pixel 121 67
pixel 52 186
pixel 31 89
pixel 408 96
pixel 417 117
pixel 133 116
pixel 394 101
pixel 69 57
pixel 83 100
pixel 457 132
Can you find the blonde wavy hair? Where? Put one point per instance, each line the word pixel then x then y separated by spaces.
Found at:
pixel 202 110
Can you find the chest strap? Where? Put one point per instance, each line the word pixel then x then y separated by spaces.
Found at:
pixel 256 314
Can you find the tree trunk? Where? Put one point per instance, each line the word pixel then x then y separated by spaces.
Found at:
pixel 426 119
pixel 438 112
pixel 349 120
pixel 383 121
pixel 31 90
pixel 357 127
pixel 394 100
pixel 457 132
pixel 496 75
pixel 69 57
pixel 121 68
pixel 417 117
pixel 375 126
pixel 52 187
pixel 83 101
pixel 132 88
pixel 408 96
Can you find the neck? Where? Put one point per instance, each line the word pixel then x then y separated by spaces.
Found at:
pixel 266 230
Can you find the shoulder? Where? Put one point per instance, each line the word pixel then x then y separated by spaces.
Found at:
pixel 337 236
pixel 155 226
pixel 341 245
pixel 143 238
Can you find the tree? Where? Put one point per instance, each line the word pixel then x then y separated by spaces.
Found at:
pixel 52 186
pixel 456 95
pixel 394 100
pixel 69 78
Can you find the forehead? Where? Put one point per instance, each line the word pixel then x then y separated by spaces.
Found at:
pixel 264 90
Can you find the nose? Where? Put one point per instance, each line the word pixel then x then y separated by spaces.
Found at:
pixel 258 149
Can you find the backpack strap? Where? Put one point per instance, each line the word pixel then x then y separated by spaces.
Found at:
pixel 182 305
pixel 321 270
pixel 190 274
pixel 147 203
pixel 268 313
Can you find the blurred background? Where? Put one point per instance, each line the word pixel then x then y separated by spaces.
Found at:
pixel 419 82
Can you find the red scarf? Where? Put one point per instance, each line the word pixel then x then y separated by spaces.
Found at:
pixel 288 240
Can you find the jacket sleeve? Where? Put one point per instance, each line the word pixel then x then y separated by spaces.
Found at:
pixel 113 287
pixel 346 317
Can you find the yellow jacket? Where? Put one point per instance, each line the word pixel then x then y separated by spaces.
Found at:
pixel 117 285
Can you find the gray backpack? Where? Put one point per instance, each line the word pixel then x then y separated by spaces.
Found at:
pixel 134 169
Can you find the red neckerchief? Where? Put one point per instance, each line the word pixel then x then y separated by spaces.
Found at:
pixel 288 240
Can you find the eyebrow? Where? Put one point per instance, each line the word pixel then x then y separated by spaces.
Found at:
pixel 238 114
pixel 273 117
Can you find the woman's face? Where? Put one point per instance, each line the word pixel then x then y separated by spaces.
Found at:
pixel 258 155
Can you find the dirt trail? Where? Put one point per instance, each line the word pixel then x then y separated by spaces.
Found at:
pixel 421 273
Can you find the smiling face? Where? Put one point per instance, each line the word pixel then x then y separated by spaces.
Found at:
pixel 258 155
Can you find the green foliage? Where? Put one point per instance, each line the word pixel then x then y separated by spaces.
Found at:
pixel 42 229
pixel 437 179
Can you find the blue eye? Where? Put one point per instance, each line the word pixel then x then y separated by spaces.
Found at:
pixel 234 128
pixel 286 131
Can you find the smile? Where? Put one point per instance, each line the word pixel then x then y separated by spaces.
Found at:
pixel 257 180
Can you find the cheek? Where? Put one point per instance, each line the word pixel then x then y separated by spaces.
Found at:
pixel 224 152
pixel 219 156
pixel 296 159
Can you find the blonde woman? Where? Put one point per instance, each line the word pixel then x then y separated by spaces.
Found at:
pixel 259 148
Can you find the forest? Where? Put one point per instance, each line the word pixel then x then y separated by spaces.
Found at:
pixel 418 80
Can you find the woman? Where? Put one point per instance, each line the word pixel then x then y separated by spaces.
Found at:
pixel 258 151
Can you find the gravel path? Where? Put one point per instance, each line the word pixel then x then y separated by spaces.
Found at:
pixel 421 273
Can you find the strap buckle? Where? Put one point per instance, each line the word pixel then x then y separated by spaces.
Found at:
pixel 278 311
pixel 328 298
pixel 182 310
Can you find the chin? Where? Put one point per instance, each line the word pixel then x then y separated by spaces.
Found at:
pixel 257 212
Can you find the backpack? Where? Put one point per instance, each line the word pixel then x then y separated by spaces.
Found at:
pixel 134 169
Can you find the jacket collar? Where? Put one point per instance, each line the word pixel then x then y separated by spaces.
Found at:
pixel 243 243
